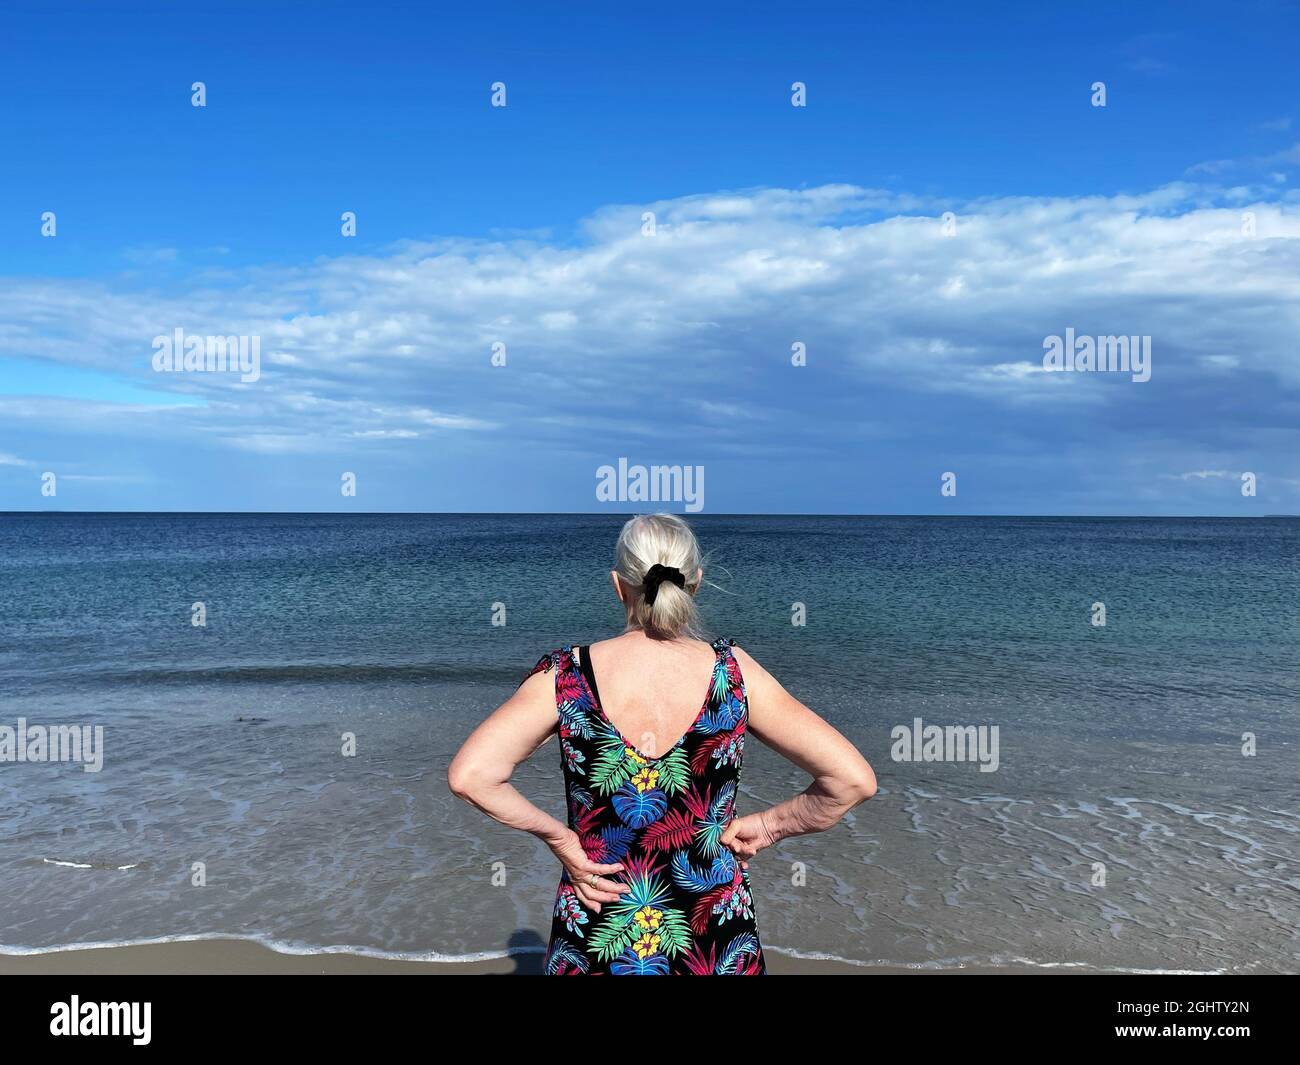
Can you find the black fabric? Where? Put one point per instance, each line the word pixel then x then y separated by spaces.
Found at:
pixel 690 910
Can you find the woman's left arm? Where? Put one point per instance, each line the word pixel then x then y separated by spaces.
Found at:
pixel 841 776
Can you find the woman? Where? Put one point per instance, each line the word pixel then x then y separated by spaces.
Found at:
pixel 655 864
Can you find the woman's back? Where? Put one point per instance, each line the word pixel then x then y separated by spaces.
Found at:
pixel 651 689
pixel 657 801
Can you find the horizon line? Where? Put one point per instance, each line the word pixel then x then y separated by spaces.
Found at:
pixel 631 513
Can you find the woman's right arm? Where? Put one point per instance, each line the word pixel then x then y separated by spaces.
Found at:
pixel 841 776
pixel 481 771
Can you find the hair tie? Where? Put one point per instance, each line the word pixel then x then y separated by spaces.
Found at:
pixel 655 576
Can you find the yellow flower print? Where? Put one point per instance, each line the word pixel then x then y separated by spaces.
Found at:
pixel 646 779
pixel 631 755
pixel 648 918
pixel 645 946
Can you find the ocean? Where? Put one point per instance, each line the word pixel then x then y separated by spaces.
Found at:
pixel 1144 813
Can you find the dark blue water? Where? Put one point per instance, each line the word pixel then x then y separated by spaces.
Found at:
pixel 1121 747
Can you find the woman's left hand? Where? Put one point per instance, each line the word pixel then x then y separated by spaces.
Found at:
pixel 746 836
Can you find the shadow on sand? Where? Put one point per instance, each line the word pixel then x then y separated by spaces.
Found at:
pixel 527 952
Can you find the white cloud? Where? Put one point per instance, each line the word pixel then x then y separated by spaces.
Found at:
pixel 394 346
pixel 1288 157
pixel 1220 362
pixel 151 256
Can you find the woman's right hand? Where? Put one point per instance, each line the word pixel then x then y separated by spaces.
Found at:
pixel 590 880
pixel 746 836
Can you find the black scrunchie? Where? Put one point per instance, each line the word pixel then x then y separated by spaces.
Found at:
pixel 656 575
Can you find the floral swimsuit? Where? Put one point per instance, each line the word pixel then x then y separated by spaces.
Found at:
pixel 690 910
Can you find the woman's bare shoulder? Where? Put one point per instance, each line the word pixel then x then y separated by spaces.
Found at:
pixel 756 677
pixel 748 662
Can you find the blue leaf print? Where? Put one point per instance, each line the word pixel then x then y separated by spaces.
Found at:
pixel 564 956
pixel 688 878
pixel 639 808
pixel 628 964
pixel 747 943
pixel 618 838
pixel 727 716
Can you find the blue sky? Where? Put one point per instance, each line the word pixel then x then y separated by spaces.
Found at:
pixel 775 225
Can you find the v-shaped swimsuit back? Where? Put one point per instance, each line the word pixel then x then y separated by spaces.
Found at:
pixel 690 910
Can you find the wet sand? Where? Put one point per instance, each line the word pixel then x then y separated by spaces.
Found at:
pixel 236 956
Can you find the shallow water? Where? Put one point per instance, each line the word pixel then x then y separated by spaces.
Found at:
pixel 1119 745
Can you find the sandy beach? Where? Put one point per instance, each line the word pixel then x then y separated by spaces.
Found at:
pixel 224 957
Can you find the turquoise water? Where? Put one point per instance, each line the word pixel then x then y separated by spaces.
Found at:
pixel 1119 745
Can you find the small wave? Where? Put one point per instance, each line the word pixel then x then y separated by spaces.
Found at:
pixel 298 949
pixel 959 964
pixel 303 671
pixel 90 865
pixel 280 947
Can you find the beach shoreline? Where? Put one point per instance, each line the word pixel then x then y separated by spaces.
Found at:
pixel 227 957
pixel 233 804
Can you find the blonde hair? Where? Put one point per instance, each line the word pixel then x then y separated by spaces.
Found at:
pixel 664 540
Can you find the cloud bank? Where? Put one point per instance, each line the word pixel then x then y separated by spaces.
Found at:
pixel 923 324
